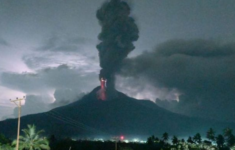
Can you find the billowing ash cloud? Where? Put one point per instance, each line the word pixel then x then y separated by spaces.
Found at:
pixel 118 32
pixel 201 71
pixel 140 88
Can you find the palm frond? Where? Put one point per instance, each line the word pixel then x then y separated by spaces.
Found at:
pixel 31 140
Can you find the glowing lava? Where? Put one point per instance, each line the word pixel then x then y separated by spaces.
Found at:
pixel 102 92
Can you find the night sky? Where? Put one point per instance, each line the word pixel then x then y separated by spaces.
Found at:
pixel 183 60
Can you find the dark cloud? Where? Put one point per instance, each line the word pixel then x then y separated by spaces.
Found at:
pixel 36 61
pixel 195 48
pixel 4 42
pixel 202 71
pixel 79 40
pixel 83 61
pixel 140 88
pixel 57 43
pixel 71 50
pixel 49 44
pixel 24 82
pixel 50 78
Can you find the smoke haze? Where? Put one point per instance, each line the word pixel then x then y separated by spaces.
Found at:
pixel 202 71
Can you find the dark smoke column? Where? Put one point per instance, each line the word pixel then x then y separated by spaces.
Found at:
pixel 118 32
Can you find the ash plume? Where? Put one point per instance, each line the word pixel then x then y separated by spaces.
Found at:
pixel 118 32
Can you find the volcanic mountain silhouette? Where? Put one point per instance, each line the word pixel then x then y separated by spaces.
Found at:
pixel 121 116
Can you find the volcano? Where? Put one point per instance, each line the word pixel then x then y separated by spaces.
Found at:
pixel 90 117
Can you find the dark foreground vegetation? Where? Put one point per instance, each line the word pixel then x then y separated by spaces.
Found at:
pixel 31 139
pixel 98 145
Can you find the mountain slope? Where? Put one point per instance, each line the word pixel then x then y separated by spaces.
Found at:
pixel 123 115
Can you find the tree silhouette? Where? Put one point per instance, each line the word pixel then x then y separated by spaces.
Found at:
pixel 125 148
pixel 165 137
pixel 3 139
pixel 197 138
pixel 31 140
pixel 151 140
pixel 190 140
pixel 182 140
pixel 210 135
pixel 231 140
pixel 229 137
pixel 52 140
pixel 175 140
pixel 220 141
pixel 228 132
pixel 156 139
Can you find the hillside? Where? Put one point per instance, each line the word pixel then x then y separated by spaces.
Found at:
pixel 122 115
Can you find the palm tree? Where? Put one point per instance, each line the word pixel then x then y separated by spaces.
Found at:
pixel 31 140
pixel 6 147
